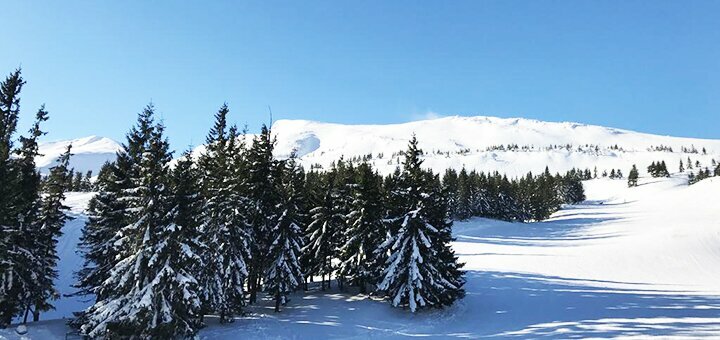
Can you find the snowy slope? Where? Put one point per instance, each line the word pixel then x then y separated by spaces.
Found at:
pixel 89 153
pixel 628 262
pixel 450 142
pixel 323 143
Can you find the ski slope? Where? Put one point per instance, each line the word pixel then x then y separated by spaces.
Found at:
pixel 628 262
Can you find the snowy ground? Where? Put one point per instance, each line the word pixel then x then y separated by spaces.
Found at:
pixel 628 262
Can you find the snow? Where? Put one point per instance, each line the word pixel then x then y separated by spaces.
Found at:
pixel 89 153
pixel 628 262
pixel 323 143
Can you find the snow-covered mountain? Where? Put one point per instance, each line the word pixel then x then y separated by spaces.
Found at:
pixel 474 142
pixel 452 142
pixel 89 153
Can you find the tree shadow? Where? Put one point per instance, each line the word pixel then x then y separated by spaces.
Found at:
pixel 532 306
pixel 572 224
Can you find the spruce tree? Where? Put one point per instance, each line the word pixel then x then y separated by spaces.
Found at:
pixel 284 274
pixel 51 218
pixel 149 292
pixel 263 199
pixel 325 221
pixel 633 177
pixel 417 273
pixel 226 234
pixel 365 230
pixel 108 212
pixel 21 281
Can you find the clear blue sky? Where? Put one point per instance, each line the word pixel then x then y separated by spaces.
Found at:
pixel 652 66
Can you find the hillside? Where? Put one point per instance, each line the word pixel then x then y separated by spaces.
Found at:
pixel 89 153
pixel 480 143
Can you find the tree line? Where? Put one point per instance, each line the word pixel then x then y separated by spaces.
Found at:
pixel 529 198
pixel 165 246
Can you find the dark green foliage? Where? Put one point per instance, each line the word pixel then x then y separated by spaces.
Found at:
pixel 528 198
pixel 659 169
pixel 225 230
pixel 422 270
pixel 633 176
pixel 284 274
pixel 365 230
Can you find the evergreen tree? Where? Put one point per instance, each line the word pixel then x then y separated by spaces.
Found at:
pixel 464 198
pixel 226 234
pixel 47 229
pixel 284 273
pixel 417 273
pixel 365 231
pixel 264 198
pixel 325 221
pixel 149 292
pixel 77 181
pixel 633 177
pixel 20 281
pixel 682 168
pixel 108 212
pixel 86 184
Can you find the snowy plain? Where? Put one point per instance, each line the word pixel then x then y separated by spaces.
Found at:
pixel 628 262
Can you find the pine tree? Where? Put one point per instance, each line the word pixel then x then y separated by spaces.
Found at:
pixel 633 177
pixel 226 234
pixel 284 274
pixel 77 181
pixel 86 184
pixel 682 168
pixel 342 197
pixel 21 280
pixel 149 292
pixel 365 230
pixel 264 198
pixel 116 206
pixel 417 274
pixel 51 219
pixel 325 221
pixel 464 200
pixel 108 212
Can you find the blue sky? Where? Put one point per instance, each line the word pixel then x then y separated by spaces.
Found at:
pixel 652 66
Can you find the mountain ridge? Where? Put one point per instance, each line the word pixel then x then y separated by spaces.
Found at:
pixel 483 143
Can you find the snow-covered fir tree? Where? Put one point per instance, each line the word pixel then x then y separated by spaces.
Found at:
pixel 325 222
pixel 633 176
pixel 284 274
pixel 263 205
pixel 342 196
pixel 22 280
pixel 107 214
pixel 365 230
pixel 225 233
pixel 50 220
pixel 149 292
pixel 9 111
pixel 418 272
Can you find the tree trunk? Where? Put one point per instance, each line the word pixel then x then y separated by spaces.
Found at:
pixel 27 311
pixel 36 314
pixel 277 302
